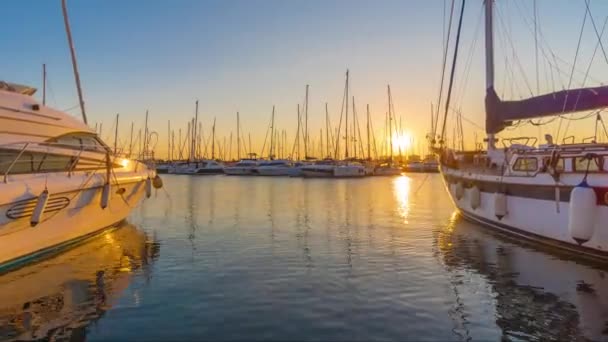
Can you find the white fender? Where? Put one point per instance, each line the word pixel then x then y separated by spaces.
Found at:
pixel 43 199
pixel 148 187
pixel 475 197
pixel 500 205
pixel 581 218
pixel 459 192
pixel 105 196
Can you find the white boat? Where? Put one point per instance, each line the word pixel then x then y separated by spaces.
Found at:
pixel 387 169
pixel 430 166
pixel 278 167
pixel 245 167
pixel 199 167
pixel 323 168
pixel 163 168
pixel 414 166
pixel 553 194
pixel 349 170
pixel 61 182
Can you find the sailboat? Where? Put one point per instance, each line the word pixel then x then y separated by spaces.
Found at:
pixel 389 168
pixel 555 194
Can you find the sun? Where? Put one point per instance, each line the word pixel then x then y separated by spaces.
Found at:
pixel 402 141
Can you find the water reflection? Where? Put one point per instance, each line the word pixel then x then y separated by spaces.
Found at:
pixel 537 295
pixel 59 297
pixel 402 195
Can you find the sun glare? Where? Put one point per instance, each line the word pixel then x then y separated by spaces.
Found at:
pixel 402 141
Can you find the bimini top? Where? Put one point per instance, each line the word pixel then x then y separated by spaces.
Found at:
pixel 23 119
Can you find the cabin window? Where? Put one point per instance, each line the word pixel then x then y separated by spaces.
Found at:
pixel 40 162
pixel 526 164
pixel 87 142
pixel 33 162
pixel 595 164
pixel 560 166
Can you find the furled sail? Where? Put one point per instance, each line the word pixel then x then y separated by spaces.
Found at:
pixel 499 114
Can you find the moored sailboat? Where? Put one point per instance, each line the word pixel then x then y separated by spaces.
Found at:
pixel 550 193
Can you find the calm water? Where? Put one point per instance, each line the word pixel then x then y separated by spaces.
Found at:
pixel 229 258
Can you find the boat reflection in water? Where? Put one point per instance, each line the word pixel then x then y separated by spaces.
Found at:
pixel 59 297
pixel 536 294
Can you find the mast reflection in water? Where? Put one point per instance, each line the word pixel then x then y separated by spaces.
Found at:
pixel 255 258
pixel 535 295
pixel 59 297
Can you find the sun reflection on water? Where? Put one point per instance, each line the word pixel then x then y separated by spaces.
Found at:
pixel 401 190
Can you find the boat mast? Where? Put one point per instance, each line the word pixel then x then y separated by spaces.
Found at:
pixel 298 134
pixel 43 84
pixel 489 58
pixel 346 124
pixel 270 153
pixel 327 129
pixel 169 140
pixel 354 129
pixel 390 122
pixel 213 141
pixel 306 124
pixel 238 137
pixel 116 134
pixel 194 136
pixel 131 140
pixel 369 151
pixel 74 63
pixel 145 136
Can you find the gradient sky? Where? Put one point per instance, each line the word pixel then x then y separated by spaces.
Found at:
pixel 249 55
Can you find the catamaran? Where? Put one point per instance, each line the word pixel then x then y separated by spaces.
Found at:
pixel 556 194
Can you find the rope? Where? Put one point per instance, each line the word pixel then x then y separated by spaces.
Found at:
pixel 578 46
pixel 447 103
pixel 445 54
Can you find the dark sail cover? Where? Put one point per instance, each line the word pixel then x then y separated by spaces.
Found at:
pixel 500 113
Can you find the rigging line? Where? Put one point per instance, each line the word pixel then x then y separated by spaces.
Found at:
pixel 469 60
pixel 337 147
pixel 447 103
pixel 471 122
pixel 536 44
pixel 548 47
pixel 444 62
pixel 71 108
pixel 603 125
pixel 517 61
pixel 589 67
pixel 578 46
pixel 599 37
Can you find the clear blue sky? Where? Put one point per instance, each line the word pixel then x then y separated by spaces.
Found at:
pixel 248 55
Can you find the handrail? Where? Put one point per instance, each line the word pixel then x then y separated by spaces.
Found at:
pixel 527 140
pixel 13 162
pixel 74 163
pixel 571 137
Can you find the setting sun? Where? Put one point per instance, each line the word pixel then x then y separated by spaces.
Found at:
pixel 402 141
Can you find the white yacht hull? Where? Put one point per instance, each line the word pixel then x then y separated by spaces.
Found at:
pixel 240 171
pixel 318 171
pixel 534 212
pixel 387 171
pixel 273 171
pixel 73 213
pixel 349 171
